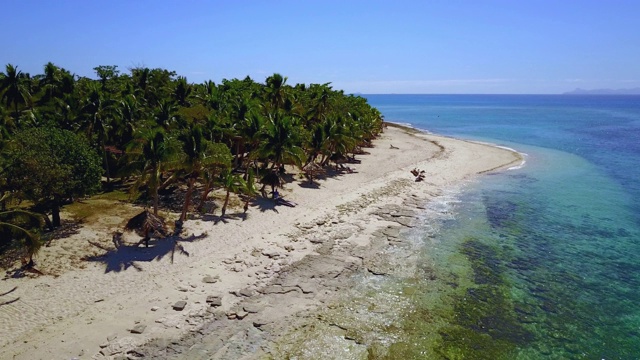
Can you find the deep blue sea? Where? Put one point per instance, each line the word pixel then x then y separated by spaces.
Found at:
pixel 541 262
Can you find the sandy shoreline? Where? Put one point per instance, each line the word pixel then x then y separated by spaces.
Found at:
pixel 267 270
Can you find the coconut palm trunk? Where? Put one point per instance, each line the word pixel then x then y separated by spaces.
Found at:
pixel 187 200
pixel 226 202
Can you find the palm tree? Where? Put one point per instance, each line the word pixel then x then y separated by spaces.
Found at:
pixel 231 183
pixel 128 112
pixel 339 139
pixel 316 143
pixel 276 91
pixel 51 82
pixel 200 155
pixel 182 91
pixel 64 111
pixel 97 118
pixel 320 96
pixel 281 141
pixel 250 130
pixel 106 73
pixel 15 85
pixel 165 114
pixel 7 126
pixel 151 154
pixel 249 191
pixel 18 225
pixel 141 79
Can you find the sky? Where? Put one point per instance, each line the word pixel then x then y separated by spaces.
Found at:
pixel 372 46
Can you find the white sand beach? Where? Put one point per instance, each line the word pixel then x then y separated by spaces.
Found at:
pixel 105 302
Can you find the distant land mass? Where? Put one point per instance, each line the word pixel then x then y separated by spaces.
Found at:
pixel 633 91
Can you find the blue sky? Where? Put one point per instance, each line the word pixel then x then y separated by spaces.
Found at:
pixel 451 46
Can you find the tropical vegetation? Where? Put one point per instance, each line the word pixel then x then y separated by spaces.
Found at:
pixel 61 134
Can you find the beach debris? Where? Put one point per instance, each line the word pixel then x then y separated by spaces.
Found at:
pixel 272 179
pixel 180 305
pixel 146 224
pixel 393 147
pixel 310 169
pixel 155 308
pixel 419 174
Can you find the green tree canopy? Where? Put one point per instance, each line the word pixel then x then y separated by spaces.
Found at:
pixel 50 166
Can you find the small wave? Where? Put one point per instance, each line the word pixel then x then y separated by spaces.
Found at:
pixel 520 166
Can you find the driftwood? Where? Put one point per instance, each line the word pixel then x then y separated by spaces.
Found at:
pixel 419 174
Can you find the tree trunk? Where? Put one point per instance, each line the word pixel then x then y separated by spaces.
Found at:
pixel 187 199
pixel 106 164
pixel 156 202
pixel 55 215
pixel 47 221
pixel 154 184
pixel 205 194
pixel 226 202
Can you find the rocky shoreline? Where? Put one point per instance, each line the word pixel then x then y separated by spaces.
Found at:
pixel 262 322
pixel 252 286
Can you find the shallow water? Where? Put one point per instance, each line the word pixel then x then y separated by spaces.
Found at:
pixel 538 262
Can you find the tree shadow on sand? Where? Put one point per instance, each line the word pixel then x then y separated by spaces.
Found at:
pixel 125 256
pixel 309 185
pixel 264 204
pixel 327 173
pixel 7 302
pixel 218 218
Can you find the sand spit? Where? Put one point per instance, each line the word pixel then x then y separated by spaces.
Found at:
pixel 245 281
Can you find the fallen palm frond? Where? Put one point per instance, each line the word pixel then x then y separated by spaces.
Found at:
pixel 146 224
pixel 311 169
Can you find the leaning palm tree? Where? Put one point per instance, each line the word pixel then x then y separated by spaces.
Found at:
pixel 231 183
pixel 200 155
pixel 18 225
pixel 151 154
pixel 248 191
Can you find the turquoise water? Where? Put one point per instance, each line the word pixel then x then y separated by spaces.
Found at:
pixel 543 261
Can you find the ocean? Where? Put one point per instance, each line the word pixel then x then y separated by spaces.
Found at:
pixel 538 262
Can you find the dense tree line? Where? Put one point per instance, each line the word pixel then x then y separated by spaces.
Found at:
pixel 59 133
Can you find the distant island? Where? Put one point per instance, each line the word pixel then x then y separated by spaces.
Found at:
pixel 633 91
